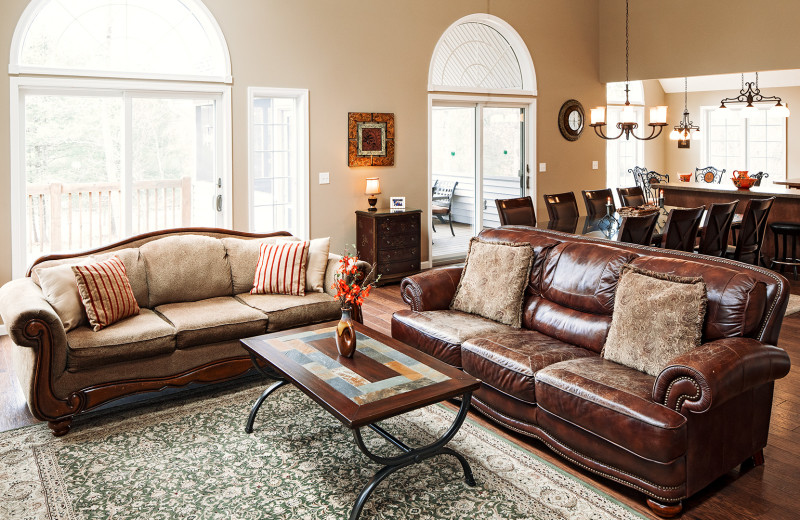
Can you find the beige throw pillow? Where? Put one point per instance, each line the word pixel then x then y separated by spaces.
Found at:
pixel 493 281
pixel 61 292
pixel 317 263
pixel 657 317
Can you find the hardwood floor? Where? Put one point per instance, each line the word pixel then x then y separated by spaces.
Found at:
pixel 771 491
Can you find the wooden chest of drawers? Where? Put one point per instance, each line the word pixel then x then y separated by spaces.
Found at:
pixel 390 240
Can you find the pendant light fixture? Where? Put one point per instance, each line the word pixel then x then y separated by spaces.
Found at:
pixel 627 124
pixel 685 130
pixel 750 93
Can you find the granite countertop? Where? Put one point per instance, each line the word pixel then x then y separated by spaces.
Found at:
pixel 778 191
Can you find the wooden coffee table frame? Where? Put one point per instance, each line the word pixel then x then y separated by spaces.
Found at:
pixel 356 416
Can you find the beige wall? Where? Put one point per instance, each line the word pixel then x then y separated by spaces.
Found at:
pixel 358 55
pixel 686 160
pixel 654 150
pixel 678 38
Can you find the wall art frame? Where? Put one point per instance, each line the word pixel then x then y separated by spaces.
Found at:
pixel 370 139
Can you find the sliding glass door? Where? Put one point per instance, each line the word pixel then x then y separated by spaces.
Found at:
pixel 479 149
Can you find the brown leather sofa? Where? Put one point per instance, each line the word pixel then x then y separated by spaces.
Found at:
pixel 667 436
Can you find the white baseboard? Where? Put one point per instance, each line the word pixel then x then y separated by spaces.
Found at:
pixel 425 265
pixel 3 330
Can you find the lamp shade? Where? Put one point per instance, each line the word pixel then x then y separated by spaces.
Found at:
pixel 373 186
pixel 749 111
pixel 779 111
pixel 598 115
pixel 658 114
pixel 628 115
pixel 674 135
pixel 697 135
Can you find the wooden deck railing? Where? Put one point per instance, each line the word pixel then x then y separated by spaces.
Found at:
pixel 84 215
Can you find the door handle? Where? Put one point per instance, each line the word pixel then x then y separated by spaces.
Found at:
pixel 219 202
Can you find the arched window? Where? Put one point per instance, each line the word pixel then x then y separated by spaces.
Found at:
pixel 120 37
pixel 482 53
pixel 480 144
pixel 120 119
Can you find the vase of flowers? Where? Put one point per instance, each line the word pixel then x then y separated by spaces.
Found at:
pixel 351 288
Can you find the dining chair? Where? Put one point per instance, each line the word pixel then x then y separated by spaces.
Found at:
pixel 639 229
pixel 752 232
pixel 596 200
pixel 442 202
pixel 680 231
pixel 716 228
pixel 562 206
pixel 630 197
pixel 709 174
pixel 516 212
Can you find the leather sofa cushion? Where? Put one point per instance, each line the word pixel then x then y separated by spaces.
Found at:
pixel 615 403
pixel 509 361
pixel 136 337
pixel 736 301
pixel 285 311
pixel 186 268
pixel 575 327
pixel 441 333
pixel 583 276
pixel 213 320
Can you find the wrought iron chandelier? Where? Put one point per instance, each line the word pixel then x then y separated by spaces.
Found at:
pixel 686 129
pixel 750 93
pixel 628 124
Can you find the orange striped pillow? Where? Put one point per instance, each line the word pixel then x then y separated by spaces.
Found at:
pixel 281 269
pixel 106 292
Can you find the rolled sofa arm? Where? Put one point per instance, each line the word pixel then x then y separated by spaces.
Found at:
pixel 431 290
pixel 21 302
pixel 716 371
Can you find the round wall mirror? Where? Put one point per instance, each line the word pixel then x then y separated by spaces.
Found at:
pixel 571 120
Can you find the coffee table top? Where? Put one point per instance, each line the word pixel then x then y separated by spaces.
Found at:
pixel 385 377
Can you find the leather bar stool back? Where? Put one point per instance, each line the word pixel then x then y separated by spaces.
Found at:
pixel 516 212
pixel 562 206
pixel 638 230
pixel 717 228
pixel 630 197
pixel 595 201
pixel 782 231
pixel 681 229
pixel 751 236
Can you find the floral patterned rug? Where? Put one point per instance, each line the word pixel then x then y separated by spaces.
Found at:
pixel 189 458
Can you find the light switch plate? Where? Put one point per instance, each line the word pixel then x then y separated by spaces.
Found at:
pixel 324 177
pixel 542 167
pixel 595 165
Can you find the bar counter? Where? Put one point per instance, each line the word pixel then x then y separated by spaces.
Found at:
pixel 786 207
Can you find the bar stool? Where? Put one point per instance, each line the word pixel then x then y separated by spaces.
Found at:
pixel 785 230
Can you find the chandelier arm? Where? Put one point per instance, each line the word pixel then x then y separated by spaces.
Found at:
pixel 598 129
pixel 655 131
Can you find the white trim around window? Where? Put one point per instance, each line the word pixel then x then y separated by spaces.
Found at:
pixel 20 86
pixel 301 173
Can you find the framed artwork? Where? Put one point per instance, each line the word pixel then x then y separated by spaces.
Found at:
pixel 397 202
pixel 370 139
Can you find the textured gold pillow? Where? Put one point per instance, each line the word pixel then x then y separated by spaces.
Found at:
pixel 493 281
pixel 657 317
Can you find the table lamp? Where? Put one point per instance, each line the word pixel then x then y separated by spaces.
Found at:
pixel 373 188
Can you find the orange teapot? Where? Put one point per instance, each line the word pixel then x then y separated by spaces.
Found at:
pixel 740 174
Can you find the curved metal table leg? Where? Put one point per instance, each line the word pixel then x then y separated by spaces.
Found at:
pixel 410 455
pixel 251 419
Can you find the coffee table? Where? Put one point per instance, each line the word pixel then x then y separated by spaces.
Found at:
pixel 384 378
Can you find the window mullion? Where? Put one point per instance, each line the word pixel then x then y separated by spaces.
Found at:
pixel 126 194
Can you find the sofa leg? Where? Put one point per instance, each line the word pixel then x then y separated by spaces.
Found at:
pixel 665 510
pixel 757 459
pixel 60 427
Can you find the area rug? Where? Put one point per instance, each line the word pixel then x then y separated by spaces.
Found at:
pixel 190 459
pixel 794 304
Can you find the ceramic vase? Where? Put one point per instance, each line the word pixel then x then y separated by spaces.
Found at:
pixel 346 334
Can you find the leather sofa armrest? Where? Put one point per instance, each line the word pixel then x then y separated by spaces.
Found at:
pixel 716 371
pixel 431 290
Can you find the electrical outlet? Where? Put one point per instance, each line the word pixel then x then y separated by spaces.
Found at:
pixel 595 165
pixel 324 177
pixel 542 167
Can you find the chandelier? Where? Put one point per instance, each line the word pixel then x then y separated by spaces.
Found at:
pixel 750 93
pixel 685 130
pixel 627 124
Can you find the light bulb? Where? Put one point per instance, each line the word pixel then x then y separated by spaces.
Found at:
pixel 674 135
pixel 598 115
pixel 778 111
pixel 748 112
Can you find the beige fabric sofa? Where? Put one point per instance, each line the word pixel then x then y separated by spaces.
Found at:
pixel 192 286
